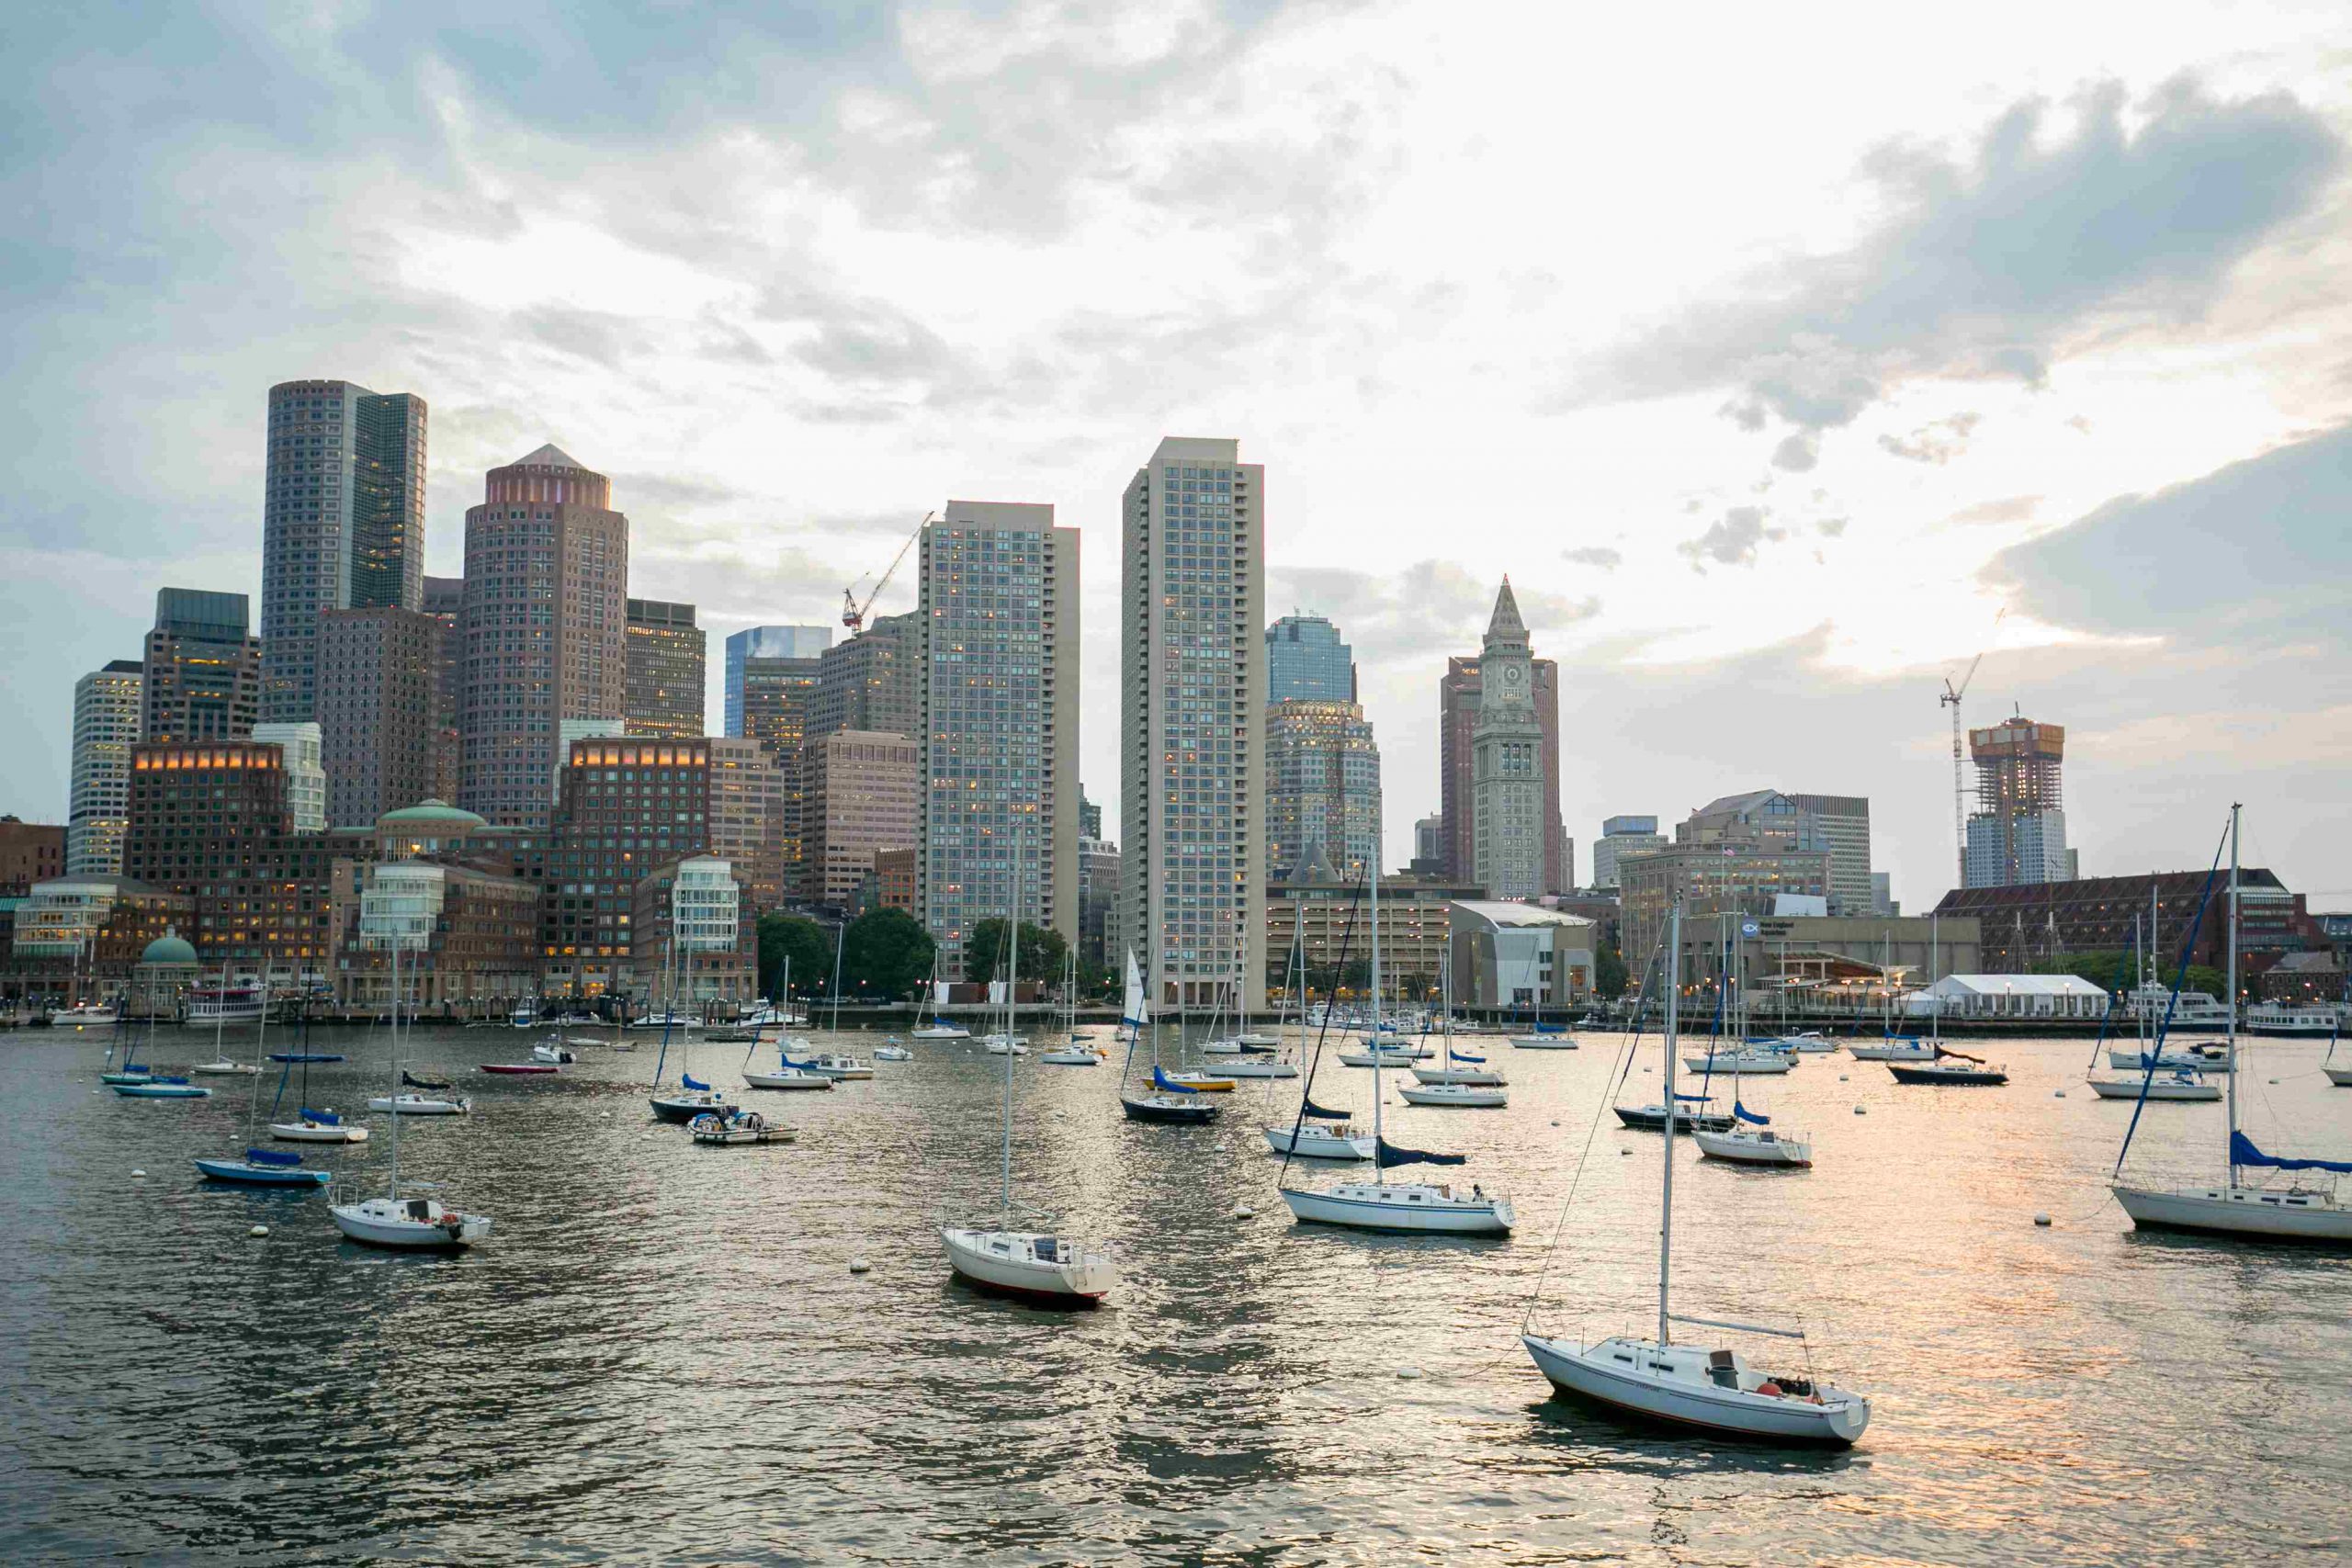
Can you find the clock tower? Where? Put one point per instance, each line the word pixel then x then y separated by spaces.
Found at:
pixel 1506 761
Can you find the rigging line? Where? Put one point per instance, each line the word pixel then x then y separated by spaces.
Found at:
pixel 2156 1046
pixel 1323 1029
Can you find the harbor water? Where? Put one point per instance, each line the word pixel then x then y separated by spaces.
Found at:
pixel 662 1352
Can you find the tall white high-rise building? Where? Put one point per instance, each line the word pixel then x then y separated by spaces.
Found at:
pixel 302 746
pixel 1506 763
pixel 106 726
pixel 997 676
pixel 1191 725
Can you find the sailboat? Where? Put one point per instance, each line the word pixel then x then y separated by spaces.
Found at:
pixel 1174 1104
pixel 1689 1384
pixel 2177 1081
pixel 2294 1213
pixel 693 1097
pixel 393 1220
pixel 1691 1112
pixel 1036 1265
pixel 1379 1204
pixel 260 1166
pixel 1074 1052
pixel 939 1028
pixel 1473 1087
pixel 309 1126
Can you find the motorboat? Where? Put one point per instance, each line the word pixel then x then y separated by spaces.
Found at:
pixel 1691 1385
pixel 263 1167
pixel 1032 1264
pixel 419 1105
pixel 1402 1206
pixel 736 1127
pixel 82 1014
pixel 2168 1086
pixel 1314 1139
pixel 1465 1097
pixel 311 1127
pixel 524 1015
pixel 413 1223
pixel 163 1087
pixel 1753 1145
pixel 833 1066
pixel 893 1054
pixel 552 1052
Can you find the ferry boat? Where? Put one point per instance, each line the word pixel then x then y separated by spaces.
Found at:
pixel 2195 1013
pixel 223 1007
pixel 84 1013
pixel 2287 1018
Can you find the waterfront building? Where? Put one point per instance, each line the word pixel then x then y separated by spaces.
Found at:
pixel 1598 905
pixel 106 718
pixel 747 808
pixel 2028 923
pixel 1307 661
pixel 343 524
pixel 198 811
pixel 306 776
pixel 864 796
pixel 469 940
pixel 543 623
pixel 445 601
pixel 869 683
pixel 1460 698
pixel 1621 836
pixel 2017 833
pixel 693 948
pixel 1510 838
pixel 200 676
pixel 766 642
pixel 1192 780
pixel 999 610
pixel 1326 910
pixel 1808 954
pixel 663 679
pixel 572 730
pixel 628 806
pixel 379 695
pixel 1322 785
pixel 79 938
pixel 1098 903
pixel 1509 954
pixel 30 853
pixel 1718 876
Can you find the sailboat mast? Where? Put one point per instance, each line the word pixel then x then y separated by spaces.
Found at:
pixel 1673 1111
pixel 2230 1150
pixel 1379 1168
pixel 395 1193
pixel 1012 979
pixel 1935 958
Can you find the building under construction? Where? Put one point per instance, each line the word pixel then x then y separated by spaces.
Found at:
pixel 2018 833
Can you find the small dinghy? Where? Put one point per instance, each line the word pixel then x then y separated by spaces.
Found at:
pixel 893 1054
pixel 419 1105
pixel 732 1128
pixel 263 1167
pixel 518 1070
pixel 311 1127
pixel 160 1086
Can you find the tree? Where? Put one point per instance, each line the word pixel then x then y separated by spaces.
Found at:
pixel 886 954
pixel 1608 976
pixel 1043 951
pixel 809 944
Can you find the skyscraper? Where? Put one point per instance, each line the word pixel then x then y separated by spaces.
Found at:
pixel 545 608
pixel 1322 786
pixel 777 693
pixel 1306 658
pixel 747 817
pixel 1509 843
pixel 869 683
pixel 766 642
pixel 306 776
pixel 999 613
pixel 445 601
pixel 863 796
pixel 1191 723
pixel 201 679
pixel 1841 824
pixel 1458 698
pixel 379 698
pixel 106 726
pixel 1621 836
pixel 2017 833
pixel 663 689
pixel 342 524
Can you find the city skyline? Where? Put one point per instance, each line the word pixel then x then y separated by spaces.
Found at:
pixel 2151 382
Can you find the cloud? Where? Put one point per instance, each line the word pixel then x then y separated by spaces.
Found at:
pixel 1600 556
pixel 2009 508
pixel 1732 539
pixel 1985 266
pixel 1797 452
pixel 1937 442
pixel 1830 527
pixel 1430 609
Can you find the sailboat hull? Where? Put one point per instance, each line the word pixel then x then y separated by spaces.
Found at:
pixel 379 1222
pixel 2130 1088
pixel 1036 1268
pixel 249 1175
pixel 1314 1143
pixel 1247 1068
pixel 2340 1076
pixel 1594 1375
pixel 1404 1209
pixel 1542 1042
pixel 1167 1108
pixel 2248 1212
pixel 315 1132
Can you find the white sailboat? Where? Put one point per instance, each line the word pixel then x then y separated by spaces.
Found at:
pixel 1894 1047
pixel 692 1097
pixel 2232 1207
pixel 1689 1384
pixel 395 1219
pixel 1380 1204
pixel 938 1028
pixel 1038 1266
pixel 1073 1051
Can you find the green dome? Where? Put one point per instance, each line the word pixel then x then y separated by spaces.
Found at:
pixel 169 951
pixel 431 813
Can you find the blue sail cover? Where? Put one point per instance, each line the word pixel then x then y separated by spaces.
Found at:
pixel 1161 1081
pixel 1391 1157
pixel 167 1077
pixel 324 1118
pixel 2243 1152
pixel 272 1157
pixel 795 1066
pixel 1745 1115
pixel 1466 1056
pixel 1311 1109
pixel 694 1083
pixel 1693 1099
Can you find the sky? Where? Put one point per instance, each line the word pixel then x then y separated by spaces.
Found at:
pixel 1786 360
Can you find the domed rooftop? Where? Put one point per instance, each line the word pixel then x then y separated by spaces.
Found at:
pixel 169 952
pixel 431 813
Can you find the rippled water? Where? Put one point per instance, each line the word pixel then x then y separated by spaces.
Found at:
pixel 661 1351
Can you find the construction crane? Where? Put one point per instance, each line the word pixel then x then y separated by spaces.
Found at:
pixel 1951 699
pixel 853 612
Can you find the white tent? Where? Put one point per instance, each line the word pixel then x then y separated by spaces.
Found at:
pixel 2010 996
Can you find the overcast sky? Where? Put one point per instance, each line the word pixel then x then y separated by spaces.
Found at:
pixel 1774 353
